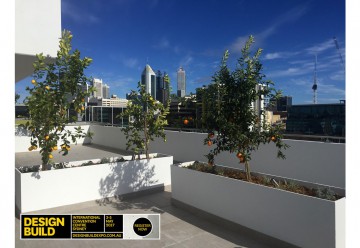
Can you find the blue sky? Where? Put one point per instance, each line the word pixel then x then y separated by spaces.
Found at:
pixel 123 35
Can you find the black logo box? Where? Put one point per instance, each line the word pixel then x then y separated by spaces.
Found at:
pixel 45 226
pixel 38 227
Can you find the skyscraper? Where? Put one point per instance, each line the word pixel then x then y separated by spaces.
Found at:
pixel 181 82
pixel 105 91
pixel 159 86
pixel 148 79
pixel 97 84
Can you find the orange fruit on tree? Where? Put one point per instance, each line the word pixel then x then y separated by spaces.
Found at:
pixel 241 157
pixel 33 81
pixel 47 87
pixel 273 138
pixel 51 156
pixel 209 143
pixel 82 108
pixel 83 100
pixel 47 137
pixel 186 122
pixel 55 148
pixel 67 148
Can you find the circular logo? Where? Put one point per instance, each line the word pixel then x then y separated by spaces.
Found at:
pixel 142 226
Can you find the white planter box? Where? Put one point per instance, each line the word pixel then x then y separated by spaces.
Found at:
pixel 294 218
pixel 53 188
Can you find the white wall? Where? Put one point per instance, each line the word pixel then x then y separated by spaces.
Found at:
pixel 37 26
pixel 22 142
pixel 298 219
pixel 316 162
pixel 53 188
pixel 37 30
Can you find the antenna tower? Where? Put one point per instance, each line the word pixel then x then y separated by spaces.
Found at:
pixel 314 87
pixel 340 56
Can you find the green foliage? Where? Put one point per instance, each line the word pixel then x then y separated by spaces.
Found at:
pixel 325 193
pixel 147 120
pixel 105 160
pixel 229 114
pixel 17 96
pixel 57 87
pixel 88 163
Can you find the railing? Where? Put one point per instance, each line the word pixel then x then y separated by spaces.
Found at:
pixel 109 116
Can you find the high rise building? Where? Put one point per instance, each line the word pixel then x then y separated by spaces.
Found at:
pixel 148 78
pixel 166 90
pixel 181 82
pixel 98 85
pixel 105 91
pixel 159 86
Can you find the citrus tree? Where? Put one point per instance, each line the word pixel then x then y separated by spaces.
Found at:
pixel 57 87
pixel 147 120
pixel 234 123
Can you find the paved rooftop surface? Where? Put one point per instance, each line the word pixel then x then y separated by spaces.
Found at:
pixel 179 228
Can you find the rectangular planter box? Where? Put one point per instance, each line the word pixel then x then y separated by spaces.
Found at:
pixel 301 220
pixel 59 187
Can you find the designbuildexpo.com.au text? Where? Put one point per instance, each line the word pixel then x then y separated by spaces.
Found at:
pixel 90 226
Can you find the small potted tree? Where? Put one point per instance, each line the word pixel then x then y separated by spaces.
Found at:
pixel 57 87
pixel 290 210
pixel 147 119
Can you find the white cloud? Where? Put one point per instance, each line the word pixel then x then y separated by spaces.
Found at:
pixel 162 44
pixel 186 61
pixel 279 55
pixel 130 62
pixel 321 47
pixel 330 89
pixel 259 38
pixel 70 10
pixel 292 71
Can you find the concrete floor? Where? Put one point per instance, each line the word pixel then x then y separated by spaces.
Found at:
pixel 179 228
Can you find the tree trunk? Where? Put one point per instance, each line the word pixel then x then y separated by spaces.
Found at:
pixel 247 170
pixel 146 139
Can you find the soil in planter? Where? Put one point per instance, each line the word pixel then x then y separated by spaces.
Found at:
pixel 324 193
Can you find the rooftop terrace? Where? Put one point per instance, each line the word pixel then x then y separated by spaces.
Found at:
pixel 179 228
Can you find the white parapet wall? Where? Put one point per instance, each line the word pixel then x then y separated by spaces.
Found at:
pixel 316 162
pixel 53 188
pixel 22 138
pixel 301 220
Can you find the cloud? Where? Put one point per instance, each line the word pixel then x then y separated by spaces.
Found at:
pixel 330 89
pixel 292 15
pixel 321 47
pixel 279 55
pixel 292 71
pixel 162 44
pixel 338 76
pixel 130 62
pixel 202 80
pixel 186 61
pixel 81 16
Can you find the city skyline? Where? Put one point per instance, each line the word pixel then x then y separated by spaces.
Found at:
pixel 181 82
pixel 291 33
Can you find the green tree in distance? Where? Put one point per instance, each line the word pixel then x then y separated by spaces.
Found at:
pixel 231 119
pixel 17 96
pixel 57 87
pixel 147 120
